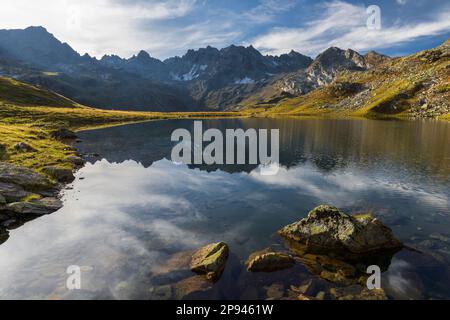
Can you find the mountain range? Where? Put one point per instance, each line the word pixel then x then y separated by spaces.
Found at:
pixel 207 79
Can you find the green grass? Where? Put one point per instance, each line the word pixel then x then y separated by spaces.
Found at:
pixel 22 94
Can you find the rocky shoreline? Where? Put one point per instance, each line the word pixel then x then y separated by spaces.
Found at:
pixel 26 194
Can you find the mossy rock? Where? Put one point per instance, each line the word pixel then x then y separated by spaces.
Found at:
pixel 327 229
pixel 210 260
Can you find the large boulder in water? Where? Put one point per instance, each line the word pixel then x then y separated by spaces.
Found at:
pixel 210 260
pixel 326 229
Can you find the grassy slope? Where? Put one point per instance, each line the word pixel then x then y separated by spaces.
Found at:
pixel 28 114
pixel 395 88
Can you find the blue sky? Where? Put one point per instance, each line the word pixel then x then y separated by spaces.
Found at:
pixel 170 27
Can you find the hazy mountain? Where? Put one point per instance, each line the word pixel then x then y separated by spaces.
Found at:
pixel 35 46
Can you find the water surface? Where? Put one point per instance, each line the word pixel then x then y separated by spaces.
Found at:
pixel 131 208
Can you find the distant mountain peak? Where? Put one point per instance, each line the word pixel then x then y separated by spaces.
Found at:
pixel 36 29
pixel 143 55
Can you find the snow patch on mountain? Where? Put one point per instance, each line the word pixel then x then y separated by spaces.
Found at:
pixel 245 80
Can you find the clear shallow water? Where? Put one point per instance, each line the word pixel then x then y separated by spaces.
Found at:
pixel 130 208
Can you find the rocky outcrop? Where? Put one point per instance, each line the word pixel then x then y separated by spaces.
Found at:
pixel 269 261
pixel 210 260
pixel 59 174
pixel 12 192
pixel 326 229
pixel 24 177
pixel 24 147
pixel 35 208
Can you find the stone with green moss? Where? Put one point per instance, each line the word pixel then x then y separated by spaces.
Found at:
pixel 210 260
pixel 329 229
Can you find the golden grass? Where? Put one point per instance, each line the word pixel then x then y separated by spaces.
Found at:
pixel 33 125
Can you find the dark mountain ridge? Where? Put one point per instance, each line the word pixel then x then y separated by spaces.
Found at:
pixel 203 79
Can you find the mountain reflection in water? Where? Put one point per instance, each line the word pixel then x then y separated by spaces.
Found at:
pixel 134 208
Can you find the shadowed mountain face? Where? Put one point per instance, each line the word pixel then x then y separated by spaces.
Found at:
pixel 203 79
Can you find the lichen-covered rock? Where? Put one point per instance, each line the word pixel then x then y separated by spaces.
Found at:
pixel 59 174
pixel 326 229
pixel 35 208
pixel 269 261
pixel 23 177
pixel 210 260
pixel 24 147
pixel 63 134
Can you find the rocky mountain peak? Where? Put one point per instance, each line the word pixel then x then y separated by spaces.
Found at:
pixel 373 58
pixel 143 55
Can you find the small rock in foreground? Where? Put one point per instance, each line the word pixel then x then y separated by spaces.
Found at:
pixel 269 261
pixel 210 260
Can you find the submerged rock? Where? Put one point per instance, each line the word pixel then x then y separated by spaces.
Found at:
pixel 275 291
pixel 190 286
pixel 160 292
pixel 326 229
pixel 23 177
pixel 24 147
pixel 210 260
pixel 269 261
pixel 59 174
pixel 63 134
pixel 357 292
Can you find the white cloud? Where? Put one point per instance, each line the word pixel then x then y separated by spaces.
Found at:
pixel 96 26
pixel 344 25
pixel 267 10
